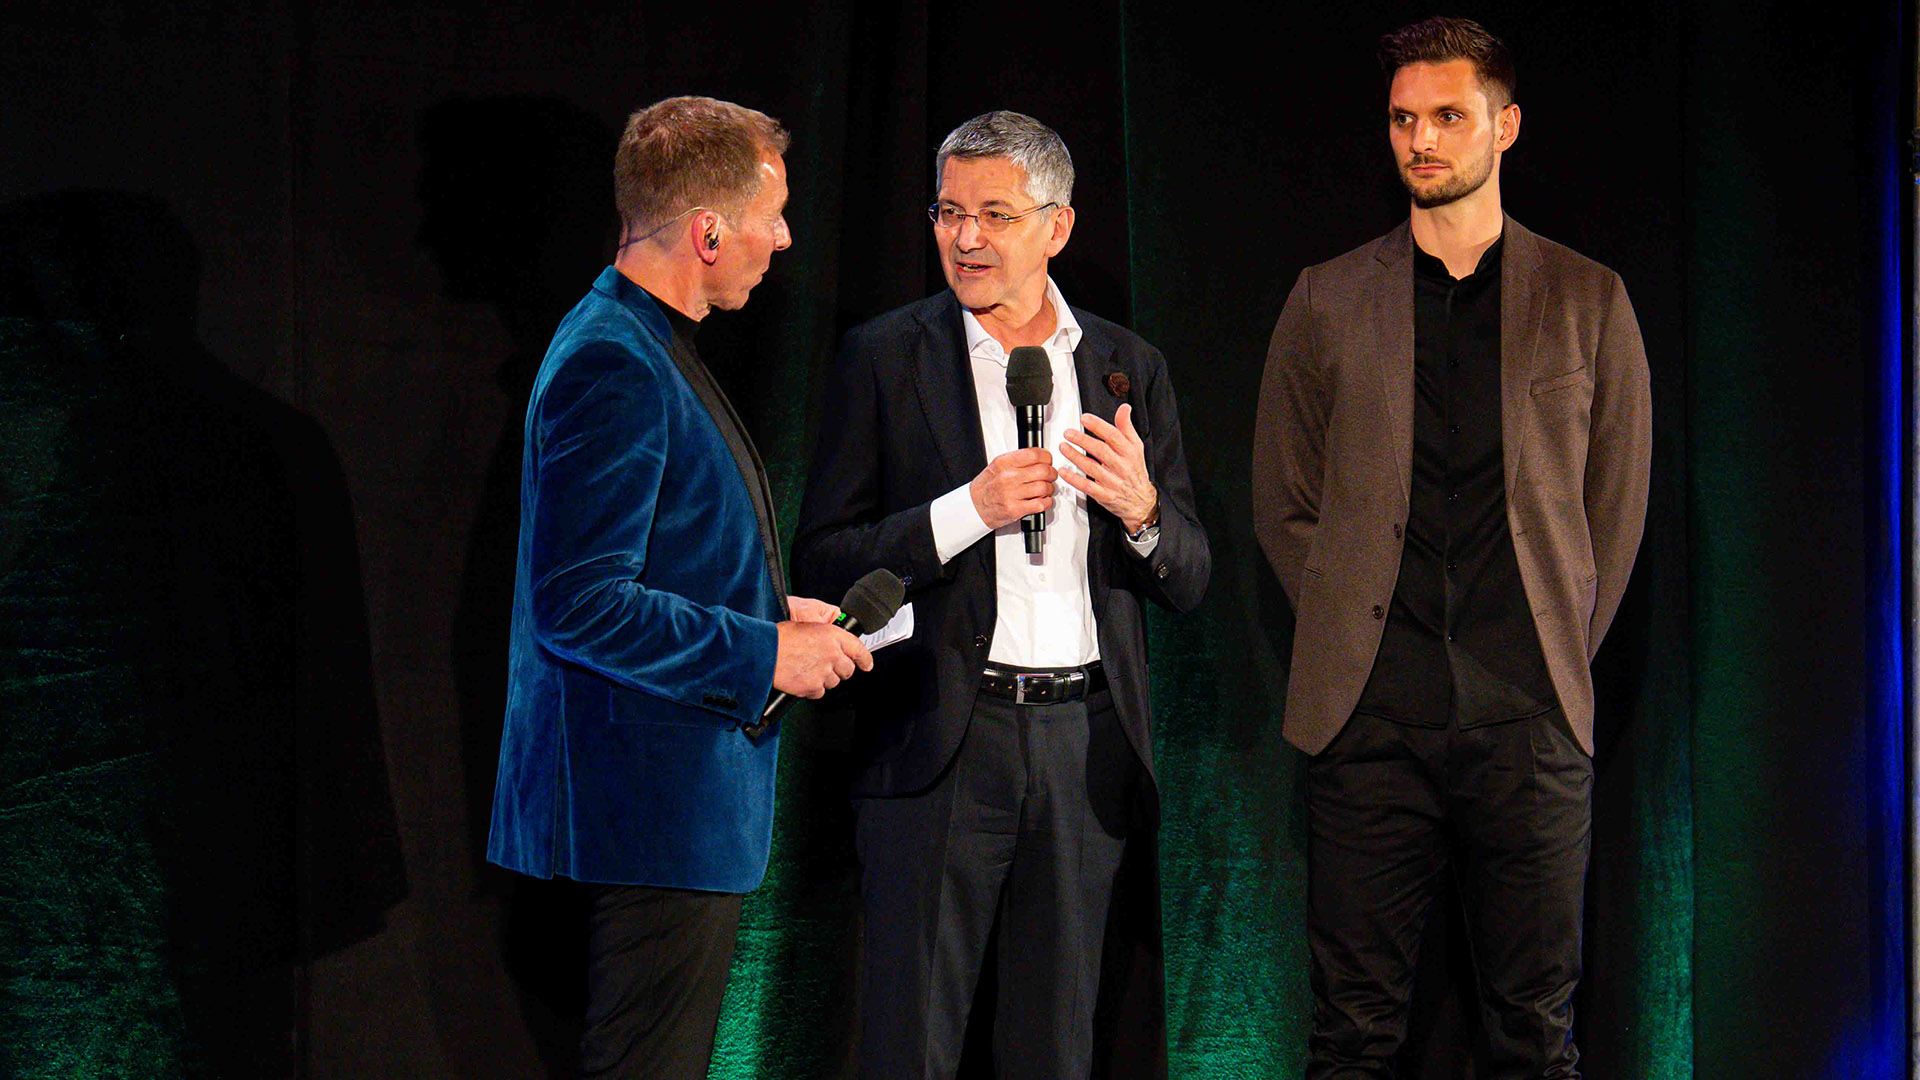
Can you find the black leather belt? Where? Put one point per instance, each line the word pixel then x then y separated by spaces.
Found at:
pixel 1043 687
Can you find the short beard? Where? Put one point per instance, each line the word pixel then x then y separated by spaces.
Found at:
pixel 1458 187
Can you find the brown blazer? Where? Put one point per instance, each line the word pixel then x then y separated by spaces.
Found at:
pixel 1333 461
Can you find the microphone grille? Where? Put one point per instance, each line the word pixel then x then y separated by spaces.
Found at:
pixel 874 600
pixel 1029 376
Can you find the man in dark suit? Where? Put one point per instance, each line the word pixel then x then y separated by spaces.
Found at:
pixel 1450 477
pixel 1008 761
pixel 650 621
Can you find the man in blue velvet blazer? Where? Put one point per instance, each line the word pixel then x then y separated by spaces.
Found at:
pixel 650 621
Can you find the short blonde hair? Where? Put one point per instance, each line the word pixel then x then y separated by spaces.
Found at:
pixel 690 151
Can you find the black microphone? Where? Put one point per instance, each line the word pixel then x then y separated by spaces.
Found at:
pixel 1029 388
pixel 869 605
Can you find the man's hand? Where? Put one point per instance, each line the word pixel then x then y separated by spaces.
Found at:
pixel 807 609
pixel 1113 468
pixel 813 657
pixel 1013 485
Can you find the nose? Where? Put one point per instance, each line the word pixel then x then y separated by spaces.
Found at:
pixel 782 236
pixel 970 238
pixel 1426 135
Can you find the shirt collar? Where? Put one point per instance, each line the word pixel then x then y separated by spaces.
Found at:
pixel 1430 266
pixel 651 312
pixel 1065 337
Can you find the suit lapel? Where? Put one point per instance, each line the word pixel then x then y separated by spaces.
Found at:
pixel 943 377
pixel 726 422
pixel 1522 300
pixel 733 432
pixel 1392 322
pixel 1093 361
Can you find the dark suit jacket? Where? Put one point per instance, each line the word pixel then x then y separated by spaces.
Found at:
pixel 901 427
pixel 644 614
pixel 1333 461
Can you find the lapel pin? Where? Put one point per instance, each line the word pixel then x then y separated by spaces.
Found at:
pixel 1117 382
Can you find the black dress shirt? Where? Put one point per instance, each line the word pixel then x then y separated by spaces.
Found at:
pixel 1459 645
pixel 733 430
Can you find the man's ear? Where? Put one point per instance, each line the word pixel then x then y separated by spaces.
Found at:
pixel 704 233
pixel 1506 126
pixel 1062 229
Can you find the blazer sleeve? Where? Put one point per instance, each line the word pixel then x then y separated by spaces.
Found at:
pixel 1289 442
pixel 1619 457
pixel 603 448
pixel 843 533
pixel 1175 573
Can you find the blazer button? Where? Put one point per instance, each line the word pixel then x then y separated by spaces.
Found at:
pixel 979 641
pixel 906 579
pixel 1161 571
pixel 1396 530
pixel 1379 612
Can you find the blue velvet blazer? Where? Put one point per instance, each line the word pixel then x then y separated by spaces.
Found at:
pixel 644 616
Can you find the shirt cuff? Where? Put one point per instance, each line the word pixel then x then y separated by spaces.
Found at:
pixel 956 523
pixel 1144 546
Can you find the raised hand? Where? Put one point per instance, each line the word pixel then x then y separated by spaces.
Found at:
pixel 1112 459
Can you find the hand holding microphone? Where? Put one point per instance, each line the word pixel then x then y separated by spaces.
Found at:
pixel 1018 485
pixel 807 609
pixel 815 656
pixel 1014 485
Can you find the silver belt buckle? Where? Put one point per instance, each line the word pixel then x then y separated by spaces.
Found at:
pixel 1059 686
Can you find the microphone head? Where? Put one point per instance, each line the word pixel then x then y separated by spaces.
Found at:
pixel 1029 376
pixel 874 600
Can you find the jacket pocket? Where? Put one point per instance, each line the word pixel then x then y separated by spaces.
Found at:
pixel 626 706
pixel 1559 382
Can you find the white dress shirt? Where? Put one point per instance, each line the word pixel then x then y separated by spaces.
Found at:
pixel 1044 607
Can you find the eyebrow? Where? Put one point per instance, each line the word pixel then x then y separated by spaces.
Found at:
pixel 990 204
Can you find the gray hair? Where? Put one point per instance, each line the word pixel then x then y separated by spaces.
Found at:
pixel 1021 139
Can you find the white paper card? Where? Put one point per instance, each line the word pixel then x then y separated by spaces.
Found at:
pixel 899 628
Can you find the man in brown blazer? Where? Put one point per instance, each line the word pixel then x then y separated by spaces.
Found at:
pixel 1450 480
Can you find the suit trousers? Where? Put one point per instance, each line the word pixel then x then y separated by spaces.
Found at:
pixel 1392 810
pixel 657 963
pixel 1024 829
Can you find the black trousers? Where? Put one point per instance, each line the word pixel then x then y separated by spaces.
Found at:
pixel 1392 810
pixel 657 962
pixel 1026 827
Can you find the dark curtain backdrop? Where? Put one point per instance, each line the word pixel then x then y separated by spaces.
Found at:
pixel 275 282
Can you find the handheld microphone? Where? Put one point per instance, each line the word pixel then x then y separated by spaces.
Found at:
pixel 1029 388
pixel 869 605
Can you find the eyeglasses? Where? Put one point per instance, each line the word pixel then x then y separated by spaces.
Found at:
pixel 949 216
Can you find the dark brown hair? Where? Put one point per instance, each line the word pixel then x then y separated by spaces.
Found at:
pixel 1443 38
pixel 690 151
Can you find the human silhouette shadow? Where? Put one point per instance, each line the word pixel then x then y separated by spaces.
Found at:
pixel 190 735
pixel 516 194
